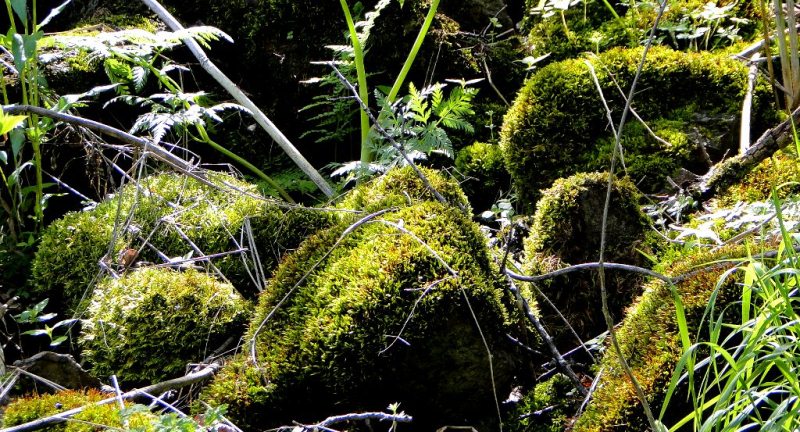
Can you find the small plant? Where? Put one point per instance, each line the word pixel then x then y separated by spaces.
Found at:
pixel 34 315
pixel 706 28
pixel 501 212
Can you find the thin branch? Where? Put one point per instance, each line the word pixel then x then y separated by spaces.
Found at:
pixel 747 105
pixel 240 97
pixel 589 266
pixel 325 424
pixel 192 378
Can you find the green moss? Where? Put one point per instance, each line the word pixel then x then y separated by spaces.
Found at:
pixel 484 172
pixel 149 324
pixel 94 418
pixel 401 187
pixel 566 231
pixel 555 122
pixel 649 339
pixel 546 408
pixel 73 246
pixel 781 169
pixel 329 348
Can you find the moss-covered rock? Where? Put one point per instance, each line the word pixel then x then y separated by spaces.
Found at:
pixel 94 418
pixel 546 408
pixel 149 324
pixel 401 187
pixel 484 172
pixel 566 231
pixel 72 247
pixel 332 346
pixel 552 129
pixel 781 169
pixel 650 342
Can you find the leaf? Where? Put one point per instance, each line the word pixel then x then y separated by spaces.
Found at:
pixel 17 137
pixel 37 332
pixel 3 157
pixel 18 51
pixel 58 341
pixel 9 122
pixel 21 9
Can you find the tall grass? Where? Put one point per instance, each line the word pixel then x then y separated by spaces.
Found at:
pixel 742 375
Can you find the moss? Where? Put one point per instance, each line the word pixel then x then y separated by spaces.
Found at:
pixel 402 187
pixel 484 172
pixel 566 231
pixel 329 348
pixel 149 324
pixel 553 126
pixel 73 246
pixel 546 408
pixel 94 418
pixel 649 339
pixel 781 169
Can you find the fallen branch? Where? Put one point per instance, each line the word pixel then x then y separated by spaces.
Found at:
pixel 325 424
pixel 730 171
pixel 192 378
pixel 240 97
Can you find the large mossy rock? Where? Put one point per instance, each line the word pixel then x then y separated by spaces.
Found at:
pixel 566 231
pixel 69 255
pixel 146 326
pixel 651 344
pixel 325 331
pixel 557 119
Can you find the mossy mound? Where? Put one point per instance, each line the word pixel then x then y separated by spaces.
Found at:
pixel 484 172
pixel 650 342
pixel 149 324
pixel 557 119
pixel 589 26
pixel 331 347
pixel 401 187
pixel 72 247
pixel 566 231
pixel 94 418
pixel 782 169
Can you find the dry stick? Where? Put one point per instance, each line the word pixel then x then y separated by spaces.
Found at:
pixel 551 346
pixel 240 97
pixel 603 292
pixel 589 266
pixel 747 105
pixel 391 140
pixel 399 418
pixel 172 384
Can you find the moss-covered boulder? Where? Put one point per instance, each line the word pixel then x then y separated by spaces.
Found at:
pixel 650 341
pixel 72 247
pixel 566 231
pixel 553 128
pixel 379 320
pixel 782 171
pixel 402 187
pixel 484 172
pixel 94 418
pixel 546 408
pixel 149 324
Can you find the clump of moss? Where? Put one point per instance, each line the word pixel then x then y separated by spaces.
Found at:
pixel 554 124
pixel 147 325
pixel 72 247
pixel 402 187
pixel 781 169
pixel 93 418
pixel 546 408
pixel 484 172
pixel 332 347
pixel 566 231
pixel 650 342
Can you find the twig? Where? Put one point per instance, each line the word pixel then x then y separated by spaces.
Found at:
pixel 240 97
pixel 604 225
pixel 747 105
pixel 589 266
pixel 325 424
pixel 192 378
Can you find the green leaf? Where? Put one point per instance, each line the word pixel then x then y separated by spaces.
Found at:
pixel 21 9
pixel 9 122
pixel 37 332
pixel 3 157
pixel 17 137
pixel 18 51
pixel 57 341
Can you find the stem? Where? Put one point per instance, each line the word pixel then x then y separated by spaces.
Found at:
pixel 423 31
pixel 363 91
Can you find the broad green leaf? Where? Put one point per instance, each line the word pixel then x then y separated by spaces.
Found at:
pixel 9 122
pixel 21 9
pixel 18 51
